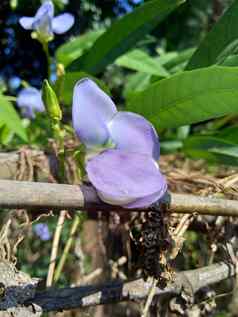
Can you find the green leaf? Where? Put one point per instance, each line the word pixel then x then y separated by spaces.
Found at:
pixel 5 134
pixel 213 149
pixel 170 146
pixel 140 61
pixel 220 42
pixel 189 97
pixel 70 80
pixel 136 82
pixel 229 134
pixel 10 118
pixel 123 35
pixel 72 50
pixel 231 61
pixel 181 58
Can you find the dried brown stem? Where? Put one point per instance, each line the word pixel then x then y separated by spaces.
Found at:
pixel 19 290
pixel 189 281
pixel 55 246
pixel 30 195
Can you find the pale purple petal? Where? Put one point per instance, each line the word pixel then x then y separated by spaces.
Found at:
pixel 132 132
pixel 28 112
pixel 43 25
pixel 26 22
pixel 62 23
pixel 29 99
pixel 150 199
pixel 92 110
pixel 42 231
pixel 42 21
pixel 46 8
pixel 121 177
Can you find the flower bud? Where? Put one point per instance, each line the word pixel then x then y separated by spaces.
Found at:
pixel 51 102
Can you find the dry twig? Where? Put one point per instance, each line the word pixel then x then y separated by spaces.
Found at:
pixel 55 246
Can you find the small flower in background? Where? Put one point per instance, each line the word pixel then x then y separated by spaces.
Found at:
pixel 127 174
pixel 30 101
pixel 45 24
pixel 42 231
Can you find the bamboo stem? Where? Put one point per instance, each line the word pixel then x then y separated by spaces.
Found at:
pixel 31 195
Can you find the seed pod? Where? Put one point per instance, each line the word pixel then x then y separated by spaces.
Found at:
pixel 51 102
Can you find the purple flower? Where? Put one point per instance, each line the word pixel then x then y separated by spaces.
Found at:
pixel 30 101
pixel 42 231
pixel 44 22
pixel 127 174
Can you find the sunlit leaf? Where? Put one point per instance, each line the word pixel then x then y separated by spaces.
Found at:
pixel 220 42
pixel 212 149
pixel 140 61
pixel 136 82
pixel 10 118
pixel 73 49
pixel 124 34
pixel 189 97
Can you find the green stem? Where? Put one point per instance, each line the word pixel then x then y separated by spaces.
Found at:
pixel 60 81
pixel 46 50
pixel 67 248
pixel 10 98
pixel 59 136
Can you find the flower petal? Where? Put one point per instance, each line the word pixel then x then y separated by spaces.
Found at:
pixel 62 23
pixel 26 22
pixel 42 231
pixel 29 99
pixel 46 8
pixel 132 132
pixel 43 25
pixel 122 177
pixel 150 199
pixel 92 110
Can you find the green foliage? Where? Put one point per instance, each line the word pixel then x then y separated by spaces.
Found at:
pixel 220 42
pixel 142 62
pixel 73 49
pixel 123 35
pixel 179 60
pixel 213 149
pixel 189 97
pixel 136 82
pixel 10 118
pixel 5 134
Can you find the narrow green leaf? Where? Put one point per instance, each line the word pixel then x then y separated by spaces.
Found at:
pixel 231 61
pixel 136 82
pixel 181 58
pixel 73 49
pixel 170 146
pixel 229 134
pixel 5 134
pixel 140 61
pixel 189 97
pixel 220 42
pixel 124 34
pixel 10 118
pixel 213 149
